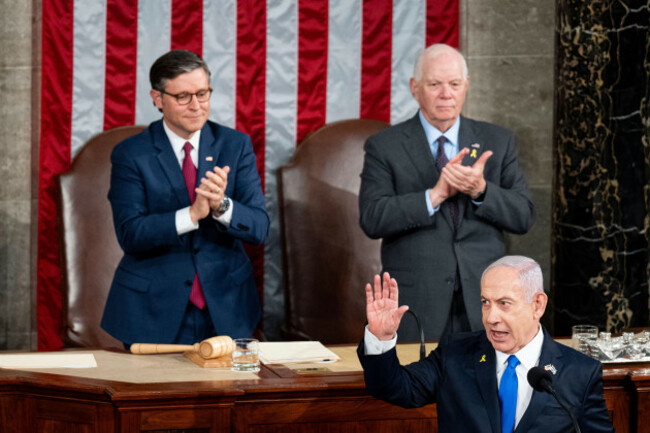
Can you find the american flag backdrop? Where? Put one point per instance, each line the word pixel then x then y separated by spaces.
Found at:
pixel 280 69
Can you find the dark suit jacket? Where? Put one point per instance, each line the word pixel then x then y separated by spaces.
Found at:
pixel 152 283
pixel 464 386
pixel 423 252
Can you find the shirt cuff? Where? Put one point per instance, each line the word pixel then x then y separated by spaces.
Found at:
pixel 432 210
pixel 184 222
pixel 225 217
pixel 375 346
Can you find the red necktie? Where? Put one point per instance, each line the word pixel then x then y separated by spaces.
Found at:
pixel 189 173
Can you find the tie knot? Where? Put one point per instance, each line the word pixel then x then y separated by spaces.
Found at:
pixel 513 362
pixel 441 141
pixel 187 147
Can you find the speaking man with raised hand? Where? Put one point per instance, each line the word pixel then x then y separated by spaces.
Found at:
pixel 479 379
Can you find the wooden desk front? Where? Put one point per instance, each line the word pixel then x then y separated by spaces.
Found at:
pixel 184 397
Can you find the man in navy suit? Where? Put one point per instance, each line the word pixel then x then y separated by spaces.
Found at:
pixel 469 374
pixel 440 190
pixel 185 193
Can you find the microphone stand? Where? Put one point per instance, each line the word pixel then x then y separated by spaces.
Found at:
pixel 422 346
pixel 542 381
pixel 566 408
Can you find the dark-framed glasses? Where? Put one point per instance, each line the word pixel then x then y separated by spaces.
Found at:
pixel 185 98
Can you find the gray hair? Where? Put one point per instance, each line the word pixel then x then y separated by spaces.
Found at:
pixel 433 51
pixel 172 64
pixel 530 273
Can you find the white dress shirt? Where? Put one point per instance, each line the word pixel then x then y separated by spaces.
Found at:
pixel 183 220
pixel 528 358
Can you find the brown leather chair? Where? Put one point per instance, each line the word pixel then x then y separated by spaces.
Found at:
pixel 89 249
pixel 327 259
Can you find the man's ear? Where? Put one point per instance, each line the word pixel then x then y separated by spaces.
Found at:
pixel 413 86
pixel 156 96
pixel 539 304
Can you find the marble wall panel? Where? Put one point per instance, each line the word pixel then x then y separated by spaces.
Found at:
pixel 510 27
pixel 602 169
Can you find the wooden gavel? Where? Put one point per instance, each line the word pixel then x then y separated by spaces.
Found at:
pixel 210 348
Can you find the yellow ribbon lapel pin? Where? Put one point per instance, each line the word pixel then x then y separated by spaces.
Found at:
pixel 482 359
pixel 474 152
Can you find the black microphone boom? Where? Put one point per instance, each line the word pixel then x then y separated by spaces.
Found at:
pixel 541 380
pixel 421 331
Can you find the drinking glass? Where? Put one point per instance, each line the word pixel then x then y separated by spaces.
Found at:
pixel 245 357
pixel 584 333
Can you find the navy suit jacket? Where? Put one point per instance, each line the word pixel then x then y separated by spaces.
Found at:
pixel 460 377
pixel 152 283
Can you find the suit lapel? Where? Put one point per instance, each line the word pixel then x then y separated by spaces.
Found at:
pixel 466 138
pixel 485 362
pixel 550 355
pixel 417 148
pixel 169 163
pixel 209 149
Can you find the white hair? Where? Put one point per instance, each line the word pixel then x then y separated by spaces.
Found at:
pixel 530 273
pixel 433 51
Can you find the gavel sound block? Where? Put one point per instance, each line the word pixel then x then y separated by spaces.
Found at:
pixel 211 353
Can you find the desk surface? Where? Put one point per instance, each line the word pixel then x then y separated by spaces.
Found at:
pixel 133 393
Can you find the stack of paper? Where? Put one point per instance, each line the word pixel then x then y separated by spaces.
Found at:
pixel 295 351
pixel 47 360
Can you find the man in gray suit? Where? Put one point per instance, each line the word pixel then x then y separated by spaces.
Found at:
pixel 440 189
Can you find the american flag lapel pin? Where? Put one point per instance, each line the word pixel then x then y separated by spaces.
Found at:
pixel 551 368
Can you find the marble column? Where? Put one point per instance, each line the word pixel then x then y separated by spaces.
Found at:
pixel 601 203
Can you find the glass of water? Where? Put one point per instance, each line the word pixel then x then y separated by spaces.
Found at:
pixel 583 334
pixel 245 357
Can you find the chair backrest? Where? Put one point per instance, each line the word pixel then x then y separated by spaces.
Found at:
pixel 327 259
pixel 89 249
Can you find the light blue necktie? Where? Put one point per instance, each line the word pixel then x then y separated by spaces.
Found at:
pixel 508 395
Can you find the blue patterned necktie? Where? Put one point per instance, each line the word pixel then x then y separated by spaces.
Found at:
pixel 441 161
pixel 508 395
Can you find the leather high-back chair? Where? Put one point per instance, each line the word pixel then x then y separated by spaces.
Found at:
pixel 88 244
pixel 327 259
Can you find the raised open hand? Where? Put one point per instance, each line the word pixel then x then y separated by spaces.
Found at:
pixel 382 308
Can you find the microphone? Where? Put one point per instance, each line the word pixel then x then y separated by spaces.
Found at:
pixel 541 380
pixel 422 346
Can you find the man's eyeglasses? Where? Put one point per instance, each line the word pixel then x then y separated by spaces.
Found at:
pixel 185 97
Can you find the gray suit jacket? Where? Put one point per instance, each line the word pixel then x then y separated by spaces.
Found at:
pixel 422 252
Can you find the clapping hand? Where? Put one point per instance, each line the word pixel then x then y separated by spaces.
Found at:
pixel 382 309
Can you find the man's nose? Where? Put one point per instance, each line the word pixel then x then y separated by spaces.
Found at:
pixel 493 316
pixel 194 102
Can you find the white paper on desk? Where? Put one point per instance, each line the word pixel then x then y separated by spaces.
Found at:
pixel 277 352
pixel 47 360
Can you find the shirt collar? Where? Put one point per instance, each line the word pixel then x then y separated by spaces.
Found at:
pixel 527 355
pixel 434 133
pixel 178 142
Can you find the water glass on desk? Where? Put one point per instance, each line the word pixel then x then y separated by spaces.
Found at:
pixel 246 357
pixel 584 333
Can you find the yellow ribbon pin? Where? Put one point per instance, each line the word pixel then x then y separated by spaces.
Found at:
pixel 482 358
pixel 473 153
